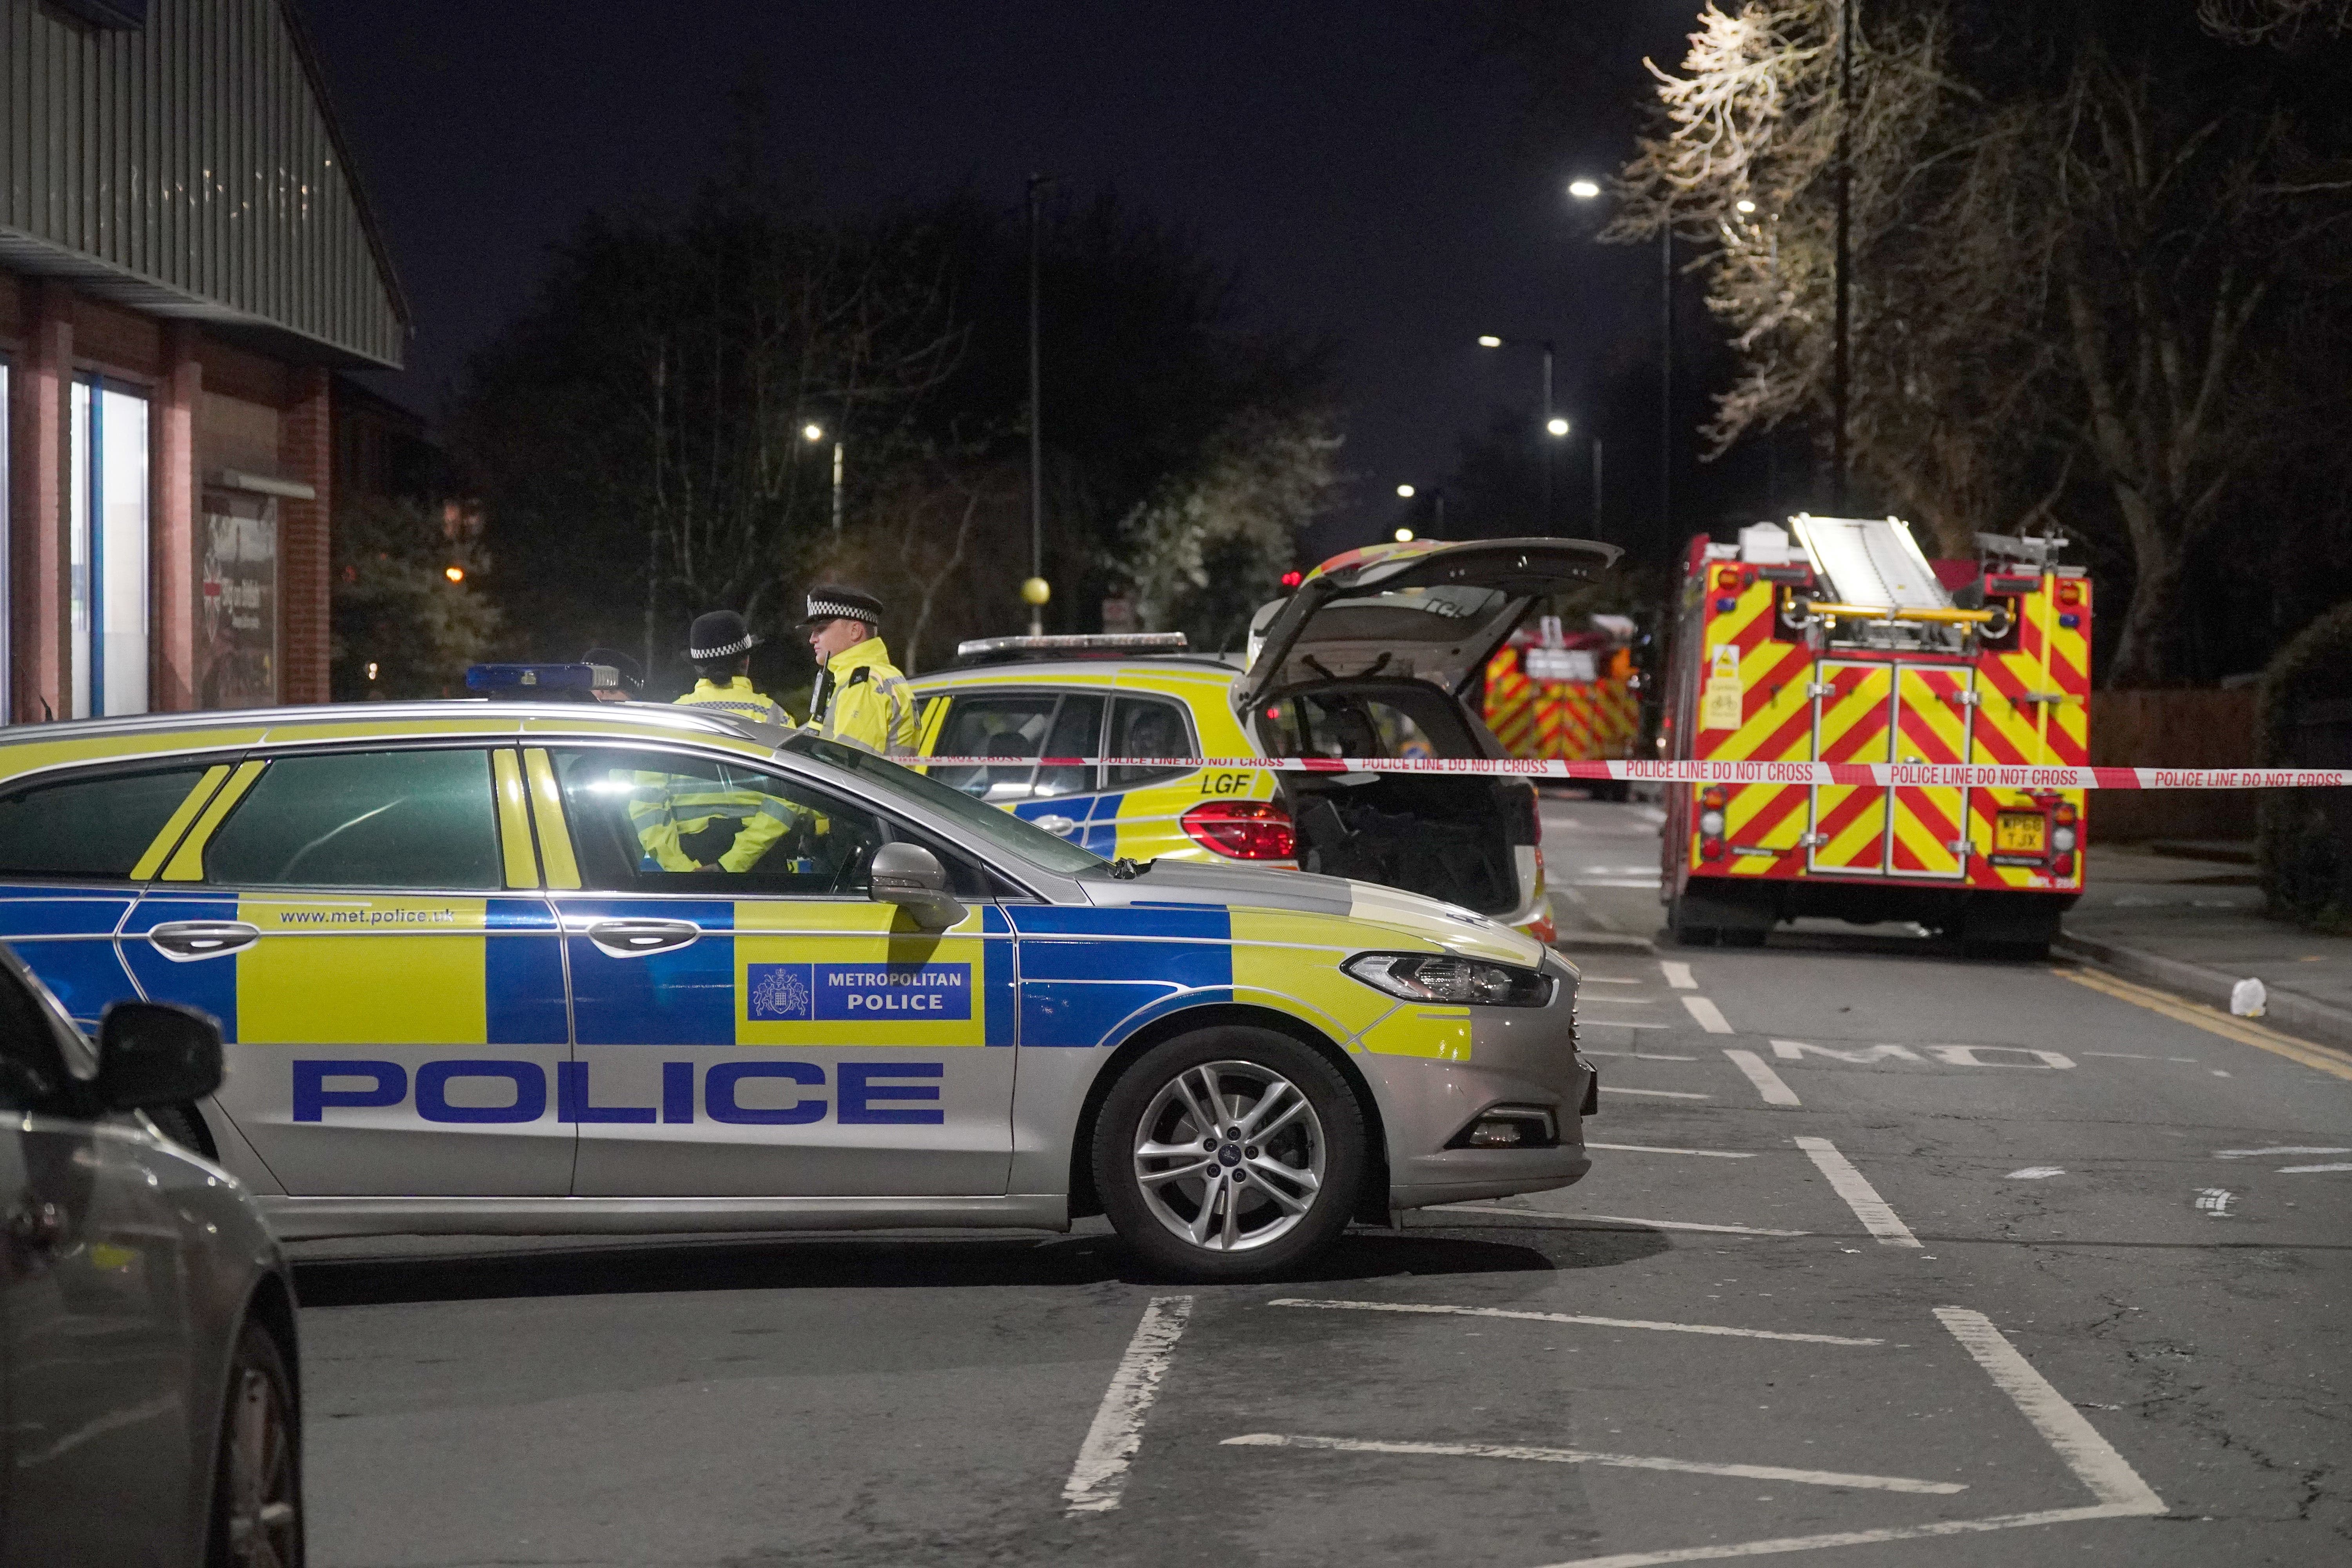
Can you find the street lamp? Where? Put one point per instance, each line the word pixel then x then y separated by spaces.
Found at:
pixel 814 433
pixel 1404 536
pixel 1436 511
pixel 1553 424
pixel 1405 492
pixel 1585 190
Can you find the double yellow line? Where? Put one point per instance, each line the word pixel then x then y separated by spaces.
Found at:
pixel 2214 1022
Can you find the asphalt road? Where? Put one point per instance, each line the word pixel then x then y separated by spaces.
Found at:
pixel 1885 1258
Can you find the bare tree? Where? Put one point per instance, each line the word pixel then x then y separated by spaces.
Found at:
pixel 2062 279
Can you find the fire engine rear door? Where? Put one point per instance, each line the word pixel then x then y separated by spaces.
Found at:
pixel 1853 722
pixel 1933 713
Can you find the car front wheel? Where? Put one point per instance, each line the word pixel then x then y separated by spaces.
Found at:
pixel 1231 1154
pixel 258 1477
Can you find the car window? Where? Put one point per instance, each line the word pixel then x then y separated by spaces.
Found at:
pixel 413 818
pixel 1147 727
pixel 1359 724
pixel 664 822
pixel 1077 732
pixel 995 724
pixel 89 826
pixel 1000 830
pixel 33 1056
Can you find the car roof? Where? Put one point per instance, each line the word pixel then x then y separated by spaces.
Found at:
pixel 30 748
pixel 1083 671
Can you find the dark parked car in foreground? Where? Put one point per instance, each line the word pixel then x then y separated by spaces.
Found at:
pixel 147 1346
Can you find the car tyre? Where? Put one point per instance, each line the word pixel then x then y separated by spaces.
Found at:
pixel 258 1471
pixel 1199 1205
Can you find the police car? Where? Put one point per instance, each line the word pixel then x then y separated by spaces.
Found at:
pixel 1378 654
pixel 482 967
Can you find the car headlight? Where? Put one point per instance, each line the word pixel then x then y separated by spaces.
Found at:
pixel 1443 977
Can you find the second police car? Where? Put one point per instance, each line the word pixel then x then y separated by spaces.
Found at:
pixel 462 992
pixel 1378 654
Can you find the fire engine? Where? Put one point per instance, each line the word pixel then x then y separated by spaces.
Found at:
pixel 1568 696
pixel 1836 640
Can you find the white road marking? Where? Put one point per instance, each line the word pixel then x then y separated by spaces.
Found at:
pixel 1622 1001
pixel 2309 1170
pixel 1709 1015
pixel 2093 1459
pixel 2035 1174
pixel 1590 979
pixel 1877 1217
pixel 1569 1318
pixel 1100 1474
pixel 1850 1538
pixel 1543 1217
pixel 1587 1457
pixel 1767 1083
pixel 1678 975
pixel 1655 1093
pixel 1660 1056
pixel 2216 1201
pixel 2282 1149
pixel 1663 1149
pixel 1622 1023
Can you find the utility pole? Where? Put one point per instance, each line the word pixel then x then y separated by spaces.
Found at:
pixel 1841 386
pixel 1037 183
pixel 1596 489
pixel 836 492
pixel 1666 388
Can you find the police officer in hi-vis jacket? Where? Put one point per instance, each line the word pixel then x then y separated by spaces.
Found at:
pixel 860 696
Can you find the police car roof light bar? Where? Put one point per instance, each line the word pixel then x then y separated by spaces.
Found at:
pixel 992 650
pixel 541 680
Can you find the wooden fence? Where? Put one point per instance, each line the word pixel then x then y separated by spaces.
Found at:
pixel 2172 729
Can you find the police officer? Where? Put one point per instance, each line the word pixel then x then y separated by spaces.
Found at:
pixel 689 824
pixel 861 697
pixel 720 647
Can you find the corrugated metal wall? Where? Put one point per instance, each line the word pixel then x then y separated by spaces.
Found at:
pixel 191 153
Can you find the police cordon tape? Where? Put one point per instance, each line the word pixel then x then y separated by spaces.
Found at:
pixel 1915 775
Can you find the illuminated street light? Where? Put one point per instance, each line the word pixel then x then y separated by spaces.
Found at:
pixel 454 573
pixel 812 432
pixel 1557 427
pixel 1584 190
pixel 1488 340
pixel 1404 536
pixel 1744 205
pixel 1405 491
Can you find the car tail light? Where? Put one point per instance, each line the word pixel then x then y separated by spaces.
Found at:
pixel 1242 829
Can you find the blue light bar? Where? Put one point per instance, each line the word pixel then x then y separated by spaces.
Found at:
pixel 541 680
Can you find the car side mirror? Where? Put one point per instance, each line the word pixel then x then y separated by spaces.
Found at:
pixel 150 1054
pixel 912 877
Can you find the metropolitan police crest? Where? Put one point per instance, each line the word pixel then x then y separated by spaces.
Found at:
pixel 780 993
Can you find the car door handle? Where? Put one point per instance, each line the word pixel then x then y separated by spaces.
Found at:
pixel 185 941
pixel 1052 824
pixel 638 938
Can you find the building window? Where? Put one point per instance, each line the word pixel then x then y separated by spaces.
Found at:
pixel 108 562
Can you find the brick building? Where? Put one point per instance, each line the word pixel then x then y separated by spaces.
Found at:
pixel 186 260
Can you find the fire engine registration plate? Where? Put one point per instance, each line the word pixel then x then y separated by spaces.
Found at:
pixel 2019 833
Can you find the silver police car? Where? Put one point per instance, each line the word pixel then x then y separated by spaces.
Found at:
pixel 147 1349
pixel 530 966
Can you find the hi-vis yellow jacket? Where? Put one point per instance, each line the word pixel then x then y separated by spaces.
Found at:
pixel 863 699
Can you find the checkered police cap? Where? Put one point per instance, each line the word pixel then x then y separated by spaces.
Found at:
pixel 836 602
pixel 720 634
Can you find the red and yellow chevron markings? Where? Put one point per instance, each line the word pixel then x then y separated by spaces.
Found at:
pixel 1931 726
pixel 1568 720
pixel 1853 722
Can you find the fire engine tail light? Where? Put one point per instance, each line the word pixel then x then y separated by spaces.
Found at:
pixel 1711 801
pixel 1242 829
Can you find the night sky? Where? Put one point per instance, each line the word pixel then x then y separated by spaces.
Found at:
pixel 1372 173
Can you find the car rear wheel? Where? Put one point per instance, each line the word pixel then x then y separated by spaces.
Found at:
pixel 1231 1154
pixel 258 1477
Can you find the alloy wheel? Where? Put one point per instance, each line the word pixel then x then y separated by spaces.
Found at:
pixel 1229 1156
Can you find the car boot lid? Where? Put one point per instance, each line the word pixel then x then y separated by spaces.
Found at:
pixel 1427 609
